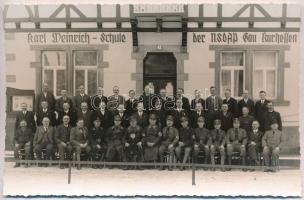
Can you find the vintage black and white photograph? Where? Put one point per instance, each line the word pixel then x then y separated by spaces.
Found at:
pixel 174 99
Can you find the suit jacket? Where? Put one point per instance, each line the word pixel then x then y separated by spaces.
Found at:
pixel 113 102
pixel 38 138
pixel 62 134
pixel 214 106
pixel 28 117
pixel 255 137
pixel 87 117
pixel 71 114
pixel 249 104
pixel 131 106
pixel 22 137
pixel 177 115
pixel 195 101
pixel 269 117
pixel 49 98
pixel 240 137
pixel 106 119
pixel 61 101
pixel 124 119
pixel 186 104
pixel 272 138
pixel 226 120
pixel 161 117
pixel 78 99
pixel 142 120
pixel 246 122
pixel 78 137
pixel 49 113
pixel 96 100
pixel 232 106
pixel 259 112
pixel 194 116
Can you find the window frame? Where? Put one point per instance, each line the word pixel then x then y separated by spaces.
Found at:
pixel 232 69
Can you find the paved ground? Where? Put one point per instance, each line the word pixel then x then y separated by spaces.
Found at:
pixel 90 182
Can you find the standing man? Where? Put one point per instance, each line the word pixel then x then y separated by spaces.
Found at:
pixel 62 139
pixel 104 115
pixel 26 115
pixel 45 95
pixel 185 100
pixel 260 109
pixel 141 116
pixel 246 102
pixel 115 99
pixel 197 99
pixel 214 104
pixel 231 102
pixel 79 139
pixel 123 115
pixel 178 113
pixel 81 97
pixel 44 139
pixel 271 142
pixel 99 97
pixel 236 140
pixel 198 112
pixel 131 103
pixel 246 120
pixel 22 140
pixel 63 99
pixel 69 112
pixel 270 116
pixel 85 114
pixel 45 111
pixel 225 117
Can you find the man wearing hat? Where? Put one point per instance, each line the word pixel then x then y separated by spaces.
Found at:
pixel 114 137
pixel 133 143
pixel 271 142
pixel 62 139
pixel 185 141
pixel 97 141
pixel 169 140
pixel 152 139
pixel 217 142
pixel 236 140
pixel 201 139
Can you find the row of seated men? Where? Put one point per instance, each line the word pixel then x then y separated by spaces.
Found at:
pixel 151 142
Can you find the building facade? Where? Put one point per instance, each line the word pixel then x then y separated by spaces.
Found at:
pixel 241 47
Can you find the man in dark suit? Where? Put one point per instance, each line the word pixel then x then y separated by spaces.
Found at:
pixel 115 99
pixel 145 98
pixel 22 140
pixel 105 116
pixel 45 111
pixel 197 99
pixel 45 95
pixel 246 102
pixel 123 115
pixel 44 139
pixel 131 103
pixel 214 104
pixel 160 113
pixel 246 120
pixel 178 113
pixel 141 116
pixel 254 143
pixel 272 115
pixel 69 112
pixel 185 100
pixel 198 112
pixel 96 99
pixel 26 115
pixel 260 108
pixel 231 102
pixel 62 139
pixel 81 97
pixel 85 114
pixel 226 118
pixel 63 99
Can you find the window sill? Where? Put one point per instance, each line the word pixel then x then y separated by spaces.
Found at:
pixel 277 102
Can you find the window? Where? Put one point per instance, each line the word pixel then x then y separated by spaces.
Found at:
pixel 265 73
pixel 232 72
pixel 54 70
pixel 85 70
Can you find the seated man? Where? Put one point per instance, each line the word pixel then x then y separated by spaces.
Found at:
pixel 97 140
pixel 62 139
pixel 22 140
pixel 114 137
pixel 133 143
pixel 43 139
pixel 201 139
pixel 169 140
pixel 217 143
pixel 185 141
pixel 271 142
pixel 254 143
pixel 80 140
pixel 236 140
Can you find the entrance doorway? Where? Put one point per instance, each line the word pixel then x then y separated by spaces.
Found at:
pixel 160 71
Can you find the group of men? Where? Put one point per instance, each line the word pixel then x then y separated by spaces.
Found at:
pixel 149 128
